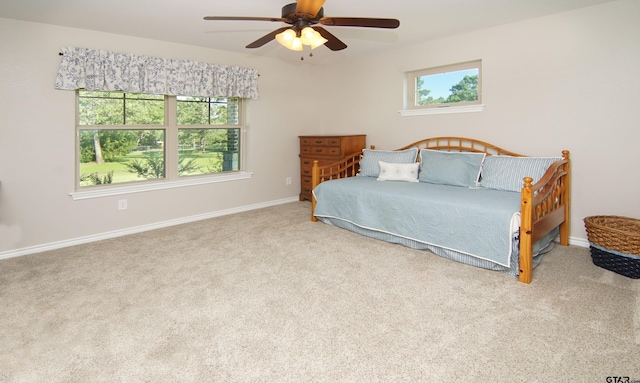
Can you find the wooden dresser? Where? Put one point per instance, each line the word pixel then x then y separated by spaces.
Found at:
pixel 325 149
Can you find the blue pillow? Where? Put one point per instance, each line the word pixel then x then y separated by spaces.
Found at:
pixel 369 164
pixel 506 173
pixel 450 168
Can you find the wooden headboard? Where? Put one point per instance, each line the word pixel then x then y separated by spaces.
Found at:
pixel 460 144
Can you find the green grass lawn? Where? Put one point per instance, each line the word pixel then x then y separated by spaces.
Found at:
pixel 205 162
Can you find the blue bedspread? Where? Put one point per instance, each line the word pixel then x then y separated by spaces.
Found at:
pixel 477 222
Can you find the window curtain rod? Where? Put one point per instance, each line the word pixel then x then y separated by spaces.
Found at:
pixel 92 69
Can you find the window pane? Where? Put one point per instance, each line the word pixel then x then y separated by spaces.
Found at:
pixel 144 112
pixel 447 87
pixel 193 111
pixel 117 108
pixel 109 156
pixel 207 111
pixel 208 151
pixel 96 109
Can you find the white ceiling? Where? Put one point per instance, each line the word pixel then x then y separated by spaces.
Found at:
pixel 181 21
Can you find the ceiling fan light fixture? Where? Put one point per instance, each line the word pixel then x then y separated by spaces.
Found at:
pixel 286 38
pixel 318 40
pixel 296 44
pixel 289 40
pixel 308 36
pixel 311 37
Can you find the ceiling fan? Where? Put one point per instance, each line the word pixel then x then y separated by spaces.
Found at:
pixel 303 17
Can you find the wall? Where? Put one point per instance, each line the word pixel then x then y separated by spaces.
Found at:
pixel 565 81
pixel 37 143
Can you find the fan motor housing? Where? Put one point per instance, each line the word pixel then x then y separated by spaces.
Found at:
pixel 289 12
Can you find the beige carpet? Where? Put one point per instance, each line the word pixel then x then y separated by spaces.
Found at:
pixel 268 296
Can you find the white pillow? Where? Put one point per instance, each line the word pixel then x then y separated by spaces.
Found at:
pixel 398 172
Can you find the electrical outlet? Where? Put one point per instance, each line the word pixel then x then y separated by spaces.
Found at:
pixel 287 181
pixel 122 204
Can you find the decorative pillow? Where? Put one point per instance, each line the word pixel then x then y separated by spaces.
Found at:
pixel 398 172
pixel 369 164
pixel 506 172
pixel 450 168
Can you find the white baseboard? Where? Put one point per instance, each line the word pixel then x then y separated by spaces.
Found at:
pixel 580 242
pixel 138 229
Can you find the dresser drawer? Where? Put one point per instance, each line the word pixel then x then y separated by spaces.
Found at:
pixel 317 141
pixel 306 184
pixel 307 163
pixel 320 151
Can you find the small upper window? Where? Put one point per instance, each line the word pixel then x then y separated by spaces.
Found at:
pixel 444 86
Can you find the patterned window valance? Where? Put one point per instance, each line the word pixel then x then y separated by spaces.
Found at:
pixel 93 69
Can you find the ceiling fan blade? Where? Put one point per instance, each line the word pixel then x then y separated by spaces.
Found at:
pixel 266 38
pixel 309 7
pixel 241 18
pixel 333 43
pixel 360 22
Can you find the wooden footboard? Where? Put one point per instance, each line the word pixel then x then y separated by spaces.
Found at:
pixel 544 205
pixel 347 167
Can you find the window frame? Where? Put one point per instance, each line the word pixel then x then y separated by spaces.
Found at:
pixel 172 179
pixel 410 93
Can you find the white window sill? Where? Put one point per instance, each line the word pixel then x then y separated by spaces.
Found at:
pixel 442 110
pixel 150 186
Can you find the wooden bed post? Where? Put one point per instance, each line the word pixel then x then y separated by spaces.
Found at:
pixel 315 179
pixel 564 226
pixel 526 232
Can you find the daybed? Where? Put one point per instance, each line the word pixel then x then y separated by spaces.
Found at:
pixel 460 198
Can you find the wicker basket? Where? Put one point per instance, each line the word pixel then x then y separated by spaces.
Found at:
pixel 614 233
pixel 615 243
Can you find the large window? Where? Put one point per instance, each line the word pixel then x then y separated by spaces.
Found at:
pixel 445 86
pixel 127 138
